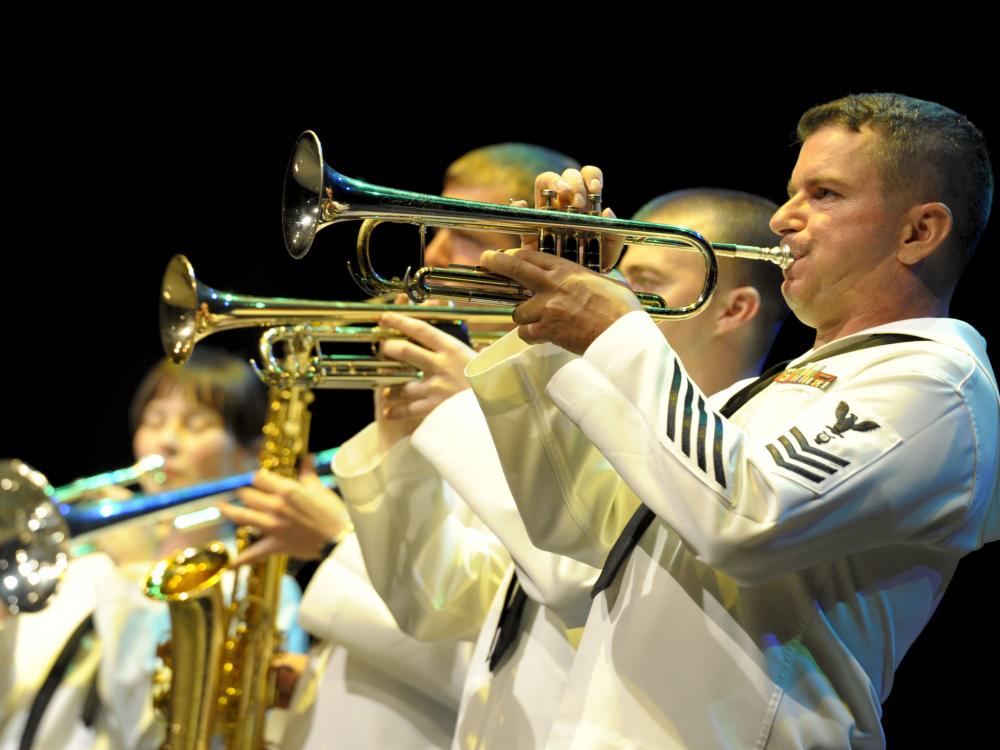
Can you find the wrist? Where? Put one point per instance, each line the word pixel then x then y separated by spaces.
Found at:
pixel 346 530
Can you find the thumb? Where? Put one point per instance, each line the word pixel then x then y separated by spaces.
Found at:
pixel 260 549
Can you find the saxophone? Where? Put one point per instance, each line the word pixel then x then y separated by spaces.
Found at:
pixel 216 686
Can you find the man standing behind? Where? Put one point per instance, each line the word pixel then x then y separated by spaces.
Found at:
pixel 797 535
pixel 527 638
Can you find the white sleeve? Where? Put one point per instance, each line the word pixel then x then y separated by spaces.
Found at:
pixel 130 626
pixel 784 497
pixel 435 566
pixel 456 440
pixel 570 498
pixel 8 676
pixel 340 605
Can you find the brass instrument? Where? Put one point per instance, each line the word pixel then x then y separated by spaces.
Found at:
pixel 317 196
pixel 34 548
pixel 221 655
pixel 342 371
pixel 34 535
pixel 191 310
pixel 81 488
pixel 36 527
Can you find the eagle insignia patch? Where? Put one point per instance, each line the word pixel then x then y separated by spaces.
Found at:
pixel 846 421
pixel 838 450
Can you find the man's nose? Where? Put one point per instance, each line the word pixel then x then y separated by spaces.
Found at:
pixel 789 217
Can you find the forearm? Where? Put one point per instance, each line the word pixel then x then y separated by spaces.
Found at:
pixel 435 569
pixel 571 500
pixel 456 440
pixel 340 605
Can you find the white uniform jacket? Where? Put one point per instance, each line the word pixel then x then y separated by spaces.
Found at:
pixel 120 655
pixel 29 645
pixel 800 546
pixel 369 685
pixel 450 582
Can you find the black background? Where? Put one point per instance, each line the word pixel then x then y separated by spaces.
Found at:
pixel 107 179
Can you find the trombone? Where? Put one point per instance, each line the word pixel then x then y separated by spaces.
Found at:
pixel 36 526
pixel 316 196
pixel 80 488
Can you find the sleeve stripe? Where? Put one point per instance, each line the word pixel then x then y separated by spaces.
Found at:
pixel 804 444
pixel 720 472
pixel 675 389
pixel 686 425
pixel 794 455
pixel 791 467
pixel 702 429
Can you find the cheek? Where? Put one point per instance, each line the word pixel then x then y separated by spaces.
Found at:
pixel 212 454
pixel 142 443
pixel 687 288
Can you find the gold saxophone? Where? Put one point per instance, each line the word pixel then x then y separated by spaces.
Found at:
pixel 219 656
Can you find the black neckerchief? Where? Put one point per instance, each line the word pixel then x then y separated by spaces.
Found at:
pixel 509 624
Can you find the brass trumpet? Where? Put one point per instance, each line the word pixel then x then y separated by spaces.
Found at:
pixel 344 371
pixel 317 196
pixel 191 310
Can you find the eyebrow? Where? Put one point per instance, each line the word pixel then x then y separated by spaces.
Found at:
pixel 639 266
pixel 822 179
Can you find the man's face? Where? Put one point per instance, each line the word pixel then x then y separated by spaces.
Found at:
pixel 841 228
pixel 678 277
pixel 464 247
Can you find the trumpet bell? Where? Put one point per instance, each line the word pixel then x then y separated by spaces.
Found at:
pixel 179 301
pixel 300 203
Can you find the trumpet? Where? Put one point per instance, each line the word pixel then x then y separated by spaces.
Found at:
pixel 36 527
pixel 316 196
pixel 191 310
pixel 346 371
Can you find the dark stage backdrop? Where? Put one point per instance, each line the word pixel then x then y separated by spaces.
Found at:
pixel 110 185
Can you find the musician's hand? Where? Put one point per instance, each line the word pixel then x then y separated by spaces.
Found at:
pixel 288 669
pixel 440 356
pixel 570 306
pixel 571 189
pixel 295 517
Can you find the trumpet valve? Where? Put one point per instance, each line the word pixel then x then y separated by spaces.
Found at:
pixel 592 240
pixel 547 237
pixel 572 240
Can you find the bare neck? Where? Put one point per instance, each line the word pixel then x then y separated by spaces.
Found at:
pixel 870 318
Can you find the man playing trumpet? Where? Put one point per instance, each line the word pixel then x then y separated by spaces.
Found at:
pixel 795 534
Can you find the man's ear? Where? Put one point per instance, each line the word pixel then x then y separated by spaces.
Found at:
pixel 740 305
pixel 927 227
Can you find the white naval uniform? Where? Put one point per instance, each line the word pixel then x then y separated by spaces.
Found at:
pixel 369 685
pixel 800 546
pixel 128 627
pixel 29 645
pixel 446 575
